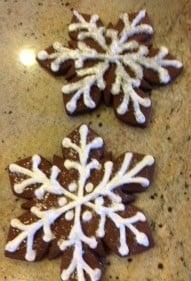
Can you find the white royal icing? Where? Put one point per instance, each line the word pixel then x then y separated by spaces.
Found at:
pixel 62 201
pixel 87 216
pixel 72 198
pixel 89 187
pixel 72 187
pixel 121 52
pixel 69 215
pixel 36 176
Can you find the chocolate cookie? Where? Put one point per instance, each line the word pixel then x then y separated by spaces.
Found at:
pixel 116 64
pixel 79 206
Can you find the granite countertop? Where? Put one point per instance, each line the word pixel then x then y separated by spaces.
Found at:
pixel 33 121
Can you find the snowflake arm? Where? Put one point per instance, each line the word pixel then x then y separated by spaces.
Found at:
pixel 36 176
pixel 134 27
pixel 159 64
pixel 80 265
pixel 92 29
pixel 62 54
pixel 123 176
pixel 90 77
pixel 27 233
pixel 127 85
pixel 122 223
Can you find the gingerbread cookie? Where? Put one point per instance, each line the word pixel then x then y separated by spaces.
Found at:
pixel 79 206
pixel 116 64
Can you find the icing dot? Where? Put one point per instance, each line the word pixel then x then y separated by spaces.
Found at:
pixel 42 55
pixel 48 237
pixel 66 142
pixel 142 239
pixel 69 215
pixel 146 183
pixel 163 51
pixel 98 142
pixel 101 84
pixel 86 216
pixel 147 102
pixel 55 66
pixel 123 250
pixel 62 201
pixel 97 274
pixel 67 164
pixel 115 89
pixel 164 76
pixel 99 201
pixel 89 187
pixel 72 187
pixel 179 64
pixel 70 105
pixel 150 160
pixel 78 63
pixel 17 188
pixel 144 50
pixel 57 45
pixel 140 117
pixel 30 256
pixel 83 130
pixel 39 193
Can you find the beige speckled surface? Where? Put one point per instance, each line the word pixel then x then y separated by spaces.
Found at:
pixel 33 121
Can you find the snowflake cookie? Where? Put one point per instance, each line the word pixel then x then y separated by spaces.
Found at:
pixel 79 206
pixel 116 64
